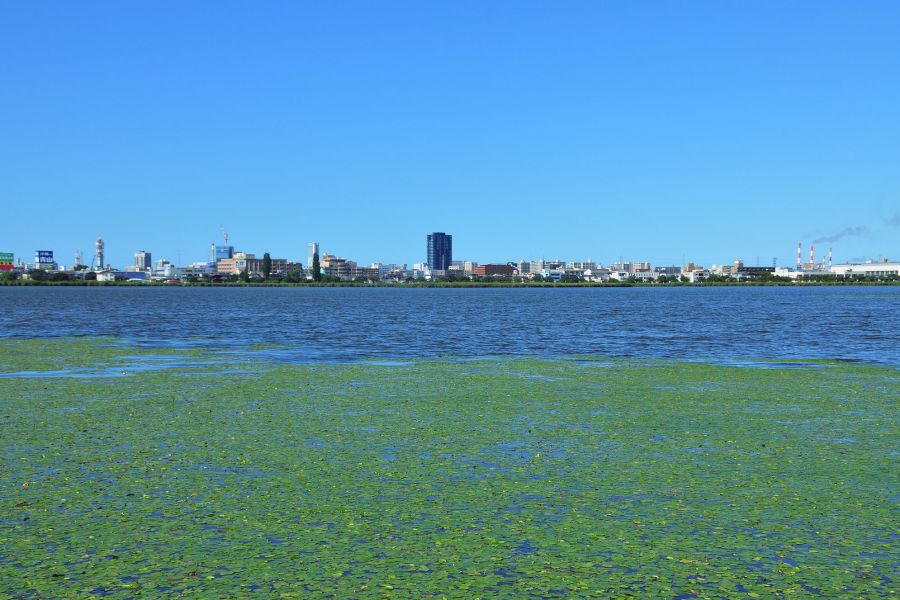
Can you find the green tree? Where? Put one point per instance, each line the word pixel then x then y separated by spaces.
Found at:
pixel 266 265
pixel 458 277
pixel 295 276
pixel 245 275
pixel 316 268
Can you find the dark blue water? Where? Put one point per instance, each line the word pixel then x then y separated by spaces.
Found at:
pixel 312 324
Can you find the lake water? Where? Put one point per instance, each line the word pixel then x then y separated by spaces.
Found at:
pixel 339 324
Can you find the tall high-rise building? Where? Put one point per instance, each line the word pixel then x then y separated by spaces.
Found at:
pixel 311 249
pixel 223 252
pixel 142 260
pixel 440 251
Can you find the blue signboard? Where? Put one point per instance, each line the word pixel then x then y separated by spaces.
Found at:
pixel 43 257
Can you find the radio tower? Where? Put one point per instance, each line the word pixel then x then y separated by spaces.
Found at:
pixel 99 253
pixel 78 258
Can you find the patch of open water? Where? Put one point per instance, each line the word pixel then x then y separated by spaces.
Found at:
pixel 345 324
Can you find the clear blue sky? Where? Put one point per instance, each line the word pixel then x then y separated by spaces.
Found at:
pixel 648 130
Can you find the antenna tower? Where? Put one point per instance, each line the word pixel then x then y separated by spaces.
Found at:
pixel 100 253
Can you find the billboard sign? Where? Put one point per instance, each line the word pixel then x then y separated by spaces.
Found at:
pixel 6 261
pixel 43 257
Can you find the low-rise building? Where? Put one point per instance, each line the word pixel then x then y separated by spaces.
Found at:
pixel 803 273
pixel 165 270
pixel 597 274
pixel 667 271
pixel 198 269
pixel 694 273
pixel 337 266
pixel 586 265
pixel 883 268
pixel 745 272
pixel 495 270
pixel 552 274
pixel 227 266
pixel 464 267
pixel 372 273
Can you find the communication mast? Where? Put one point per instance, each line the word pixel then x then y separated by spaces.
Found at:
pixel 99 253
pixel 78 258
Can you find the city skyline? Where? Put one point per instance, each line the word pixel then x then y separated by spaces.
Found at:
pixel 821 247
pixel 705 132
pixel 817 251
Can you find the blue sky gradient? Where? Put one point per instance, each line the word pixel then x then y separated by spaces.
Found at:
pixel 644 130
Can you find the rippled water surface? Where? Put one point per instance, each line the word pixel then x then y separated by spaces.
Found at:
pixel 313 324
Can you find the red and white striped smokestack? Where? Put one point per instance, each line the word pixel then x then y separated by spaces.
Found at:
pixel 812 255
pixel 799 255
pixel 829 258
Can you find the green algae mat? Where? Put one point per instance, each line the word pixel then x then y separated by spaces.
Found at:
pixel 136 473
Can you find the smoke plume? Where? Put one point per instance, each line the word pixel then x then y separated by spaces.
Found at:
pixel 845 232
pixel 893 221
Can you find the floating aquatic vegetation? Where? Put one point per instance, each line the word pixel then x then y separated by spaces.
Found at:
pixel 509 477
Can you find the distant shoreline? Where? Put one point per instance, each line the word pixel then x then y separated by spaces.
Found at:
pixel 444 284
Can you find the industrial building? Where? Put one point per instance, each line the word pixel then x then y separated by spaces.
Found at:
pixel 884 268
